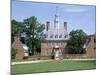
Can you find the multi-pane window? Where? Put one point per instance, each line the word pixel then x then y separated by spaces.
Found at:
pixel 61 43
pixel 53 44
pixel 56 43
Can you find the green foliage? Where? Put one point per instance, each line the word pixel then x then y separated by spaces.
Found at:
pixel 13 53
pixel 16 28
pixel 33 30
pixel 76 41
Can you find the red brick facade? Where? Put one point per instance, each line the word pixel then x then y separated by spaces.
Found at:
pixel 47 49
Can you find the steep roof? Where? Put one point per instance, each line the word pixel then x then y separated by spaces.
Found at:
pixel 55 34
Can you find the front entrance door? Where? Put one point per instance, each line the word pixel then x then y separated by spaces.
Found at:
pixel 57 53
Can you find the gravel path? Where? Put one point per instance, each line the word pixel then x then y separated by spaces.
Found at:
pixel 37 61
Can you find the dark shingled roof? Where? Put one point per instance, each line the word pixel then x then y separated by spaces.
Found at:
pixel 55 34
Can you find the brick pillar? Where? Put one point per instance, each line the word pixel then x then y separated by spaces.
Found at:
pixel 47 25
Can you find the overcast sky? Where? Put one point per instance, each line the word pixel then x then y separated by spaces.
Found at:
pixel 77 16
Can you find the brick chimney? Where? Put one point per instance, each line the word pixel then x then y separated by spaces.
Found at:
pixel 18 45
pixel 65 25
pixel 47 25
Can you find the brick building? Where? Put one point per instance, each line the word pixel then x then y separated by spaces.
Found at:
pixel 22 50
pixel 54 41
pixel 91 47
pixel 54 38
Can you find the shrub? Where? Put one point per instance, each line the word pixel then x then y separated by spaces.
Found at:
pixel 13 53
pixel 76 41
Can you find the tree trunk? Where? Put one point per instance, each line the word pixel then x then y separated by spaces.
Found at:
pixel 32 47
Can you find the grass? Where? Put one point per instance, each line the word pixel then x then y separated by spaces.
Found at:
pixel 53 66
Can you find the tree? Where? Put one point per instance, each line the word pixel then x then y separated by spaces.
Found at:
pixel 33 31
pixel 16 28
pixel 76 41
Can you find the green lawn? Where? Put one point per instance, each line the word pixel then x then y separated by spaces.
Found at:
pixel 52 66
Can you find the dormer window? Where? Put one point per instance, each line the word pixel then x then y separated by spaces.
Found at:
pixel 60 36
pixel 56 36
pixel 51 36
pixel 45 36
pixel 65 36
